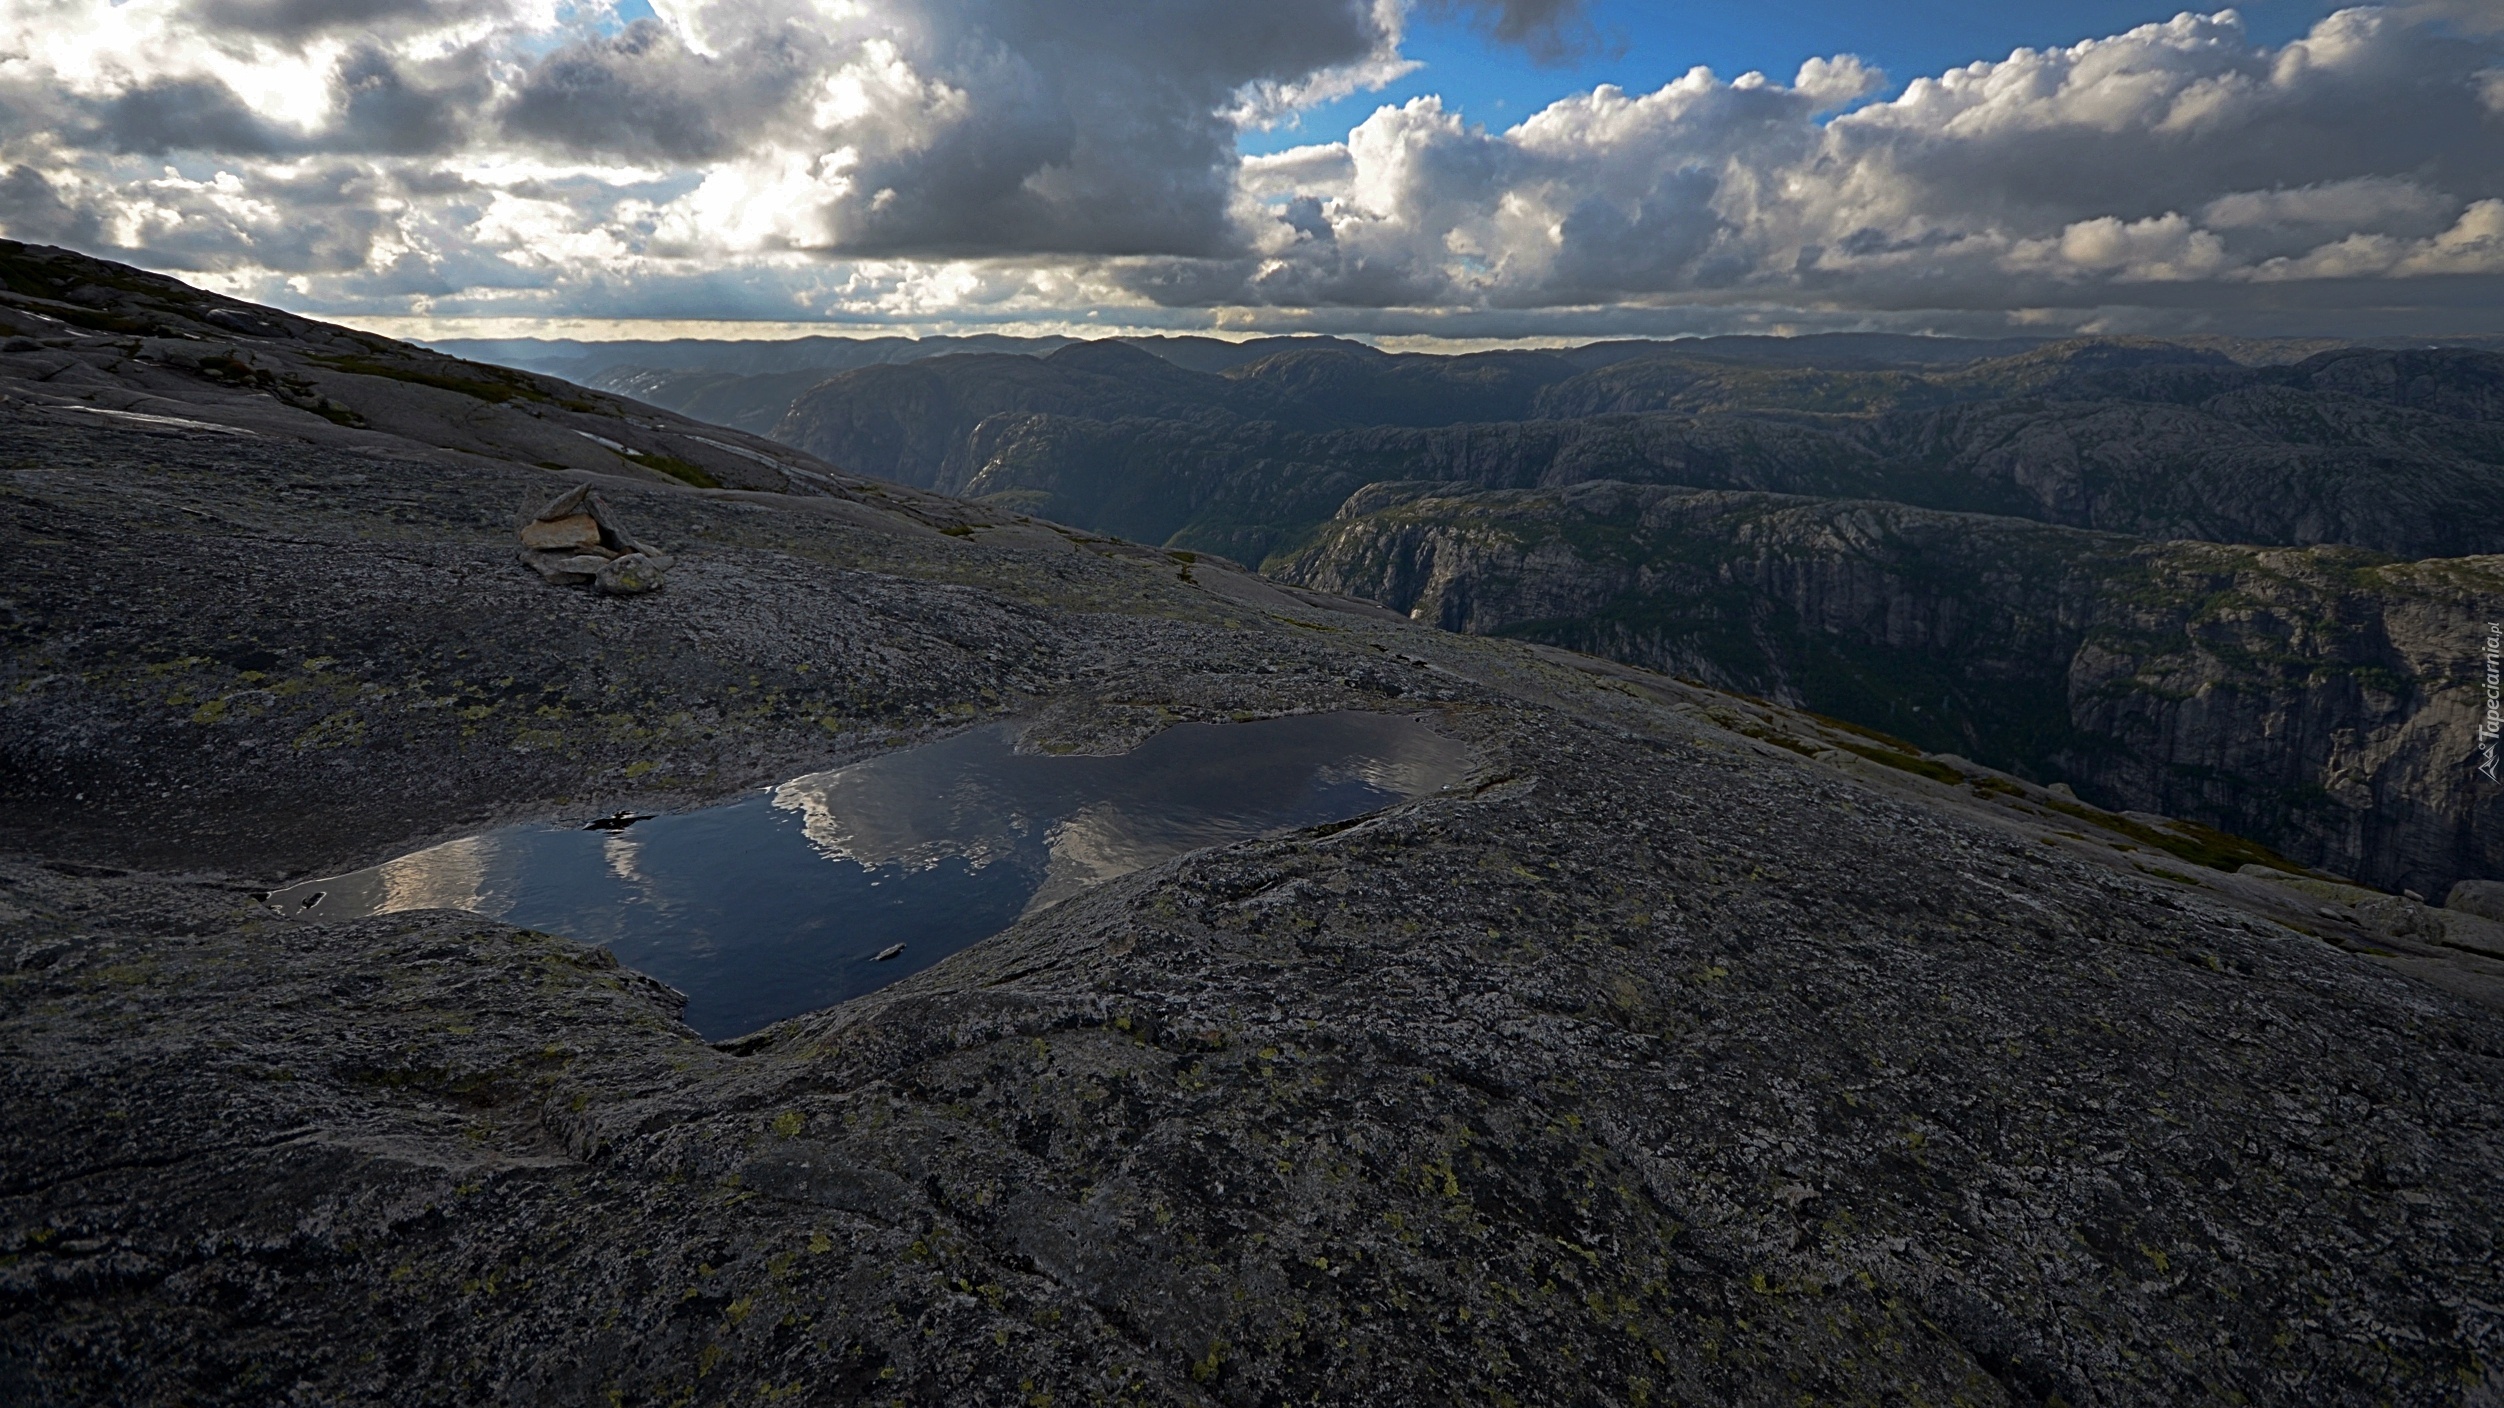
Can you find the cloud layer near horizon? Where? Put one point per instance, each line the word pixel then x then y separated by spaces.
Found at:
pixel 944 162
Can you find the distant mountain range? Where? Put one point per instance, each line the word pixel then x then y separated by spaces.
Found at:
pixel 583 360
pixel 2149 438
pixel 2174 574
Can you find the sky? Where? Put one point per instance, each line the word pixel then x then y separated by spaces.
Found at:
pixel 1407 170
pixel 1639 46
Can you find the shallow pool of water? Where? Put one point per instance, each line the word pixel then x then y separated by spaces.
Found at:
pixel 782 902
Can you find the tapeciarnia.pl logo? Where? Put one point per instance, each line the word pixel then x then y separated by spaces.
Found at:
pixel 2493 724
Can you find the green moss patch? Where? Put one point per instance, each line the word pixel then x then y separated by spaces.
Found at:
pixel 493 386
pixel 1905 762
pixel 2189 840
pixel 678 469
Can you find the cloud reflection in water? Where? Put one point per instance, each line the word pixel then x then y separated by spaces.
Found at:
pixel 777 904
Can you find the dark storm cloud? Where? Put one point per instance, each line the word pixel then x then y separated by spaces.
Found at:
pixel 643 94
pixel 390 105
pixel 191 114
pixel 300 19
pixel 1099 135
pixel 971 126
pixel 382 103
pixel 37 213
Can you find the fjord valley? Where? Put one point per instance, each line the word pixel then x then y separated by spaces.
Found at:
pixel 2239 581
pixel 1657 1044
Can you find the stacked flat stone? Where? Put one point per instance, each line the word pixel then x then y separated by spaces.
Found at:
pixel 577 540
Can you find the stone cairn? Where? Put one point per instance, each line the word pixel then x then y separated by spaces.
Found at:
pixel 577 539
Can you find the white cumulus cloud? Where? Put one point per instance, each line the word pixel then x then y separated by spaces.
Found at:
pixel 2176 154
pixel 1026 160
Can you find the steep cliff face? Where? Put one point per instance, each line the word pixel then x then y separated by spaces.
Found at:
pixel 2328 702
pixel 2323 700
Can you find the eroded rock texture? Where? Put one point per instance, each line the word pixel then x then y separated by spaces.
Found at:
pixel 1699 1051
pixel 1631 1077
